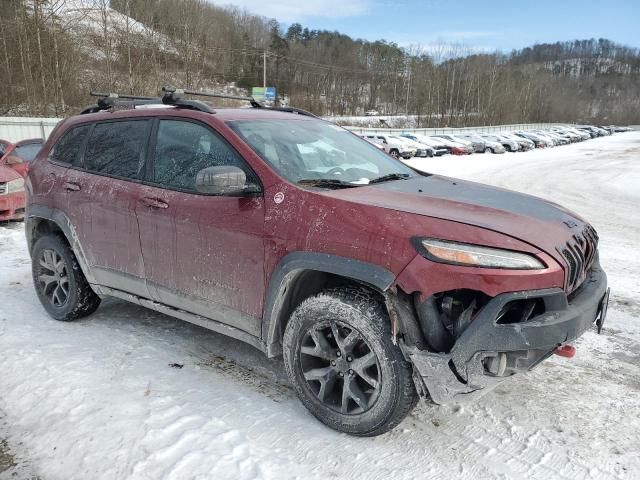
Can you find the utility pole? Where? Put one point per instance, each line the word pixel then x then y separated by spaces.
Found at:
pixel 406 106
pixel 264 69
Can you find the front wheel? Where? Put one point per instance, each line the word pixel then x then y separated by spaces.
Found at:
pixel 487 150
pixel 394 153
pixel 343 365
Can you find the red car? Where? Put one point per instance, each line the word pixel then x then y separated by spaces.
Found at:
pixel 376 283
pixel 12 198
pixel 19 155
pixel 14 165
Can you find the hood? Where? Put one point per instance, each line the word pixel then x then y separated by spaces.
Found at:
pixel 540 223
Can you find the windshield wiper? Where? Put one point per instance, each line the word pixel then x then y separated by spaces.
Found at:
pixel 389 177
pixel 327 183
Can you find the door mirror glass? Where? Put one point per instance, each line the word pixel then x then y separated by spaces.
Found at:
pixel 221 180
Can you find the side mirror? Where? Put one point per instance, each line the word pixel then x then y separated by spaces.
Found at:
pixel 13 160
pixel 222 180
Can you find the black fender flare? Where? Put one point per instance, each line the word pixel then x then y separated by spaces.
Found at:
pixel 294 263
pixel 37 212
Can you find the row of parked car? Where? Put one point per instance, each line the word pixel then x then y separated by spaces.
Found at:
pixel 408 145
pixel 14 165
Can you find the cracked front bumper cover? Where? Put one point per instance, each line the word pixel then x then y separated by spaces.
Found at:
pixel 462 375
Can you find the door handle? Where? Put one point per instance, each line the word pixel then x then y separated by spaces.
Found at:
pixel 154 202
pixel 71 186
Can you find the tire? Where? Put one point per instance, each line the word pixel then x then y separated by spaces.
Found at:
pixel 488 150
pixel 53 266
pixel 394 153
pixel 381 392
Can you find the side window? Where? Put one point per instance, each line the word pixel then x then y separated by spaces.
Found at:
pixel 118 148
pixel 68 147
pixel 185 148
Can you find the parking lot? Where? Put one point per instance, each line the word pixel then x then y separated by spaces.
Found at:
pixel 129 393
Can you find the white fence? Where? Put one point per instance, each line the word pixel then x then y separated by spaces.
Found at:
pixel 20 128
pixel 15 129
pixel 453 131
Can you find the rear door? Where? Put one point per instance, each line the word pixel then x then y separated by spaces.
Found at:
pixel 102 190
pixel 202 253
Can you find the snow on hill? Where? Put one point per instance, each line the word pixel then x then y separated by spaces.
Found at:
pixel 91 19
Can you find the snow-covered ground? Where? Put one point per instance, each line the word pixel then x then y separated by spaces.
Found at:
pixel 98 399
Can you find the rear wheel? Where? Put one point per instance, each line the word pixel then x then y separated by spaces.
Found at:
pixel 343 365
pixel 60 284
pixel 487 150
pixel 394 153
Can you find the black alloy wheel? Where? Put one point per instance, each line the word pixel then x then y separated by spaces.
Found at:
pixel 340 367
pixel 51 272
pixel 59 281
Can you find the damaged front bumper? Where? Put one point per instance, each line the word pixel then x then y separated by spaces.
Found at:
pixel 487 352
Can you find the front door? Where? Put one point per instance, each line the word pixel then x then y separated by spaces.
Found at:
pixel 202 253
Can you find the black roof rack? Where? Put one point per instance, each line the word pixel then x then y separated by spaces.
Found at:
pixel 110 100
pixel 175 97
pixel 172 92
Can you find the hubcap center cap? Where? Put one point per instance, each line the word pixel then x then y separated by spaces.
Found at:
pixel 341 364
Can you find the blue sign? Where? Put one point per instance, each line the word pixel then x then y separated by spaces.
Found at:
pixel 264 93
pixel 270 93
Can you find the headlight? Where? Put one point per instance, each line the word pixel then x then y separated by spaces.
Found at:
pixel 466 254
pixel 16 185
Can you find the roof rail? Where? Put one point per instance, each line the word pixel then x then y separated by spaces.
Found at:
pixel 299 111
pixel 109 100
pixel 175 97
pixel 254 103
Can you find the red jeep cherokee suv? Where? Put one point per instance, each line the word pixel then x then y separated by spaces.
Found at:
pixel 378 284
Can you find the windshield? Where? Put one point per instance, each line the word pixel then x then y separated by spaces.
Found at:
pixel 314 150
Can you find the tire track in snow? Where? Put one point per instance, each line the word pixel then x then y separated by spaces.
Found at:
pixel 75 394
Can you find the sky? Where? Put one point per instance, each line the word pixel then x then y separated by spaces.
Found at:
pixel 483 25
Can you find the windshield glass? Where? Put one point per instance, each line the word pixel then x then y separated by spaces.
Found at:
pixel 314 149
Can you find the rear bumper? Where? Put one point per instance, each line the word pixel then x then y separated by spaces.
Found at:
pixel 471 367
pixel 12 206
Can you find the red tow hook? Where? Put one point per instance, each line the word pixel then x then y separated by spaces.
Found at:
pixel 567 351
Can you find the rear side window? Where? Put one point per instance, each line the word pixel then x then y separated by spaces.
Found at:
pixel 68 147
pixel 118 148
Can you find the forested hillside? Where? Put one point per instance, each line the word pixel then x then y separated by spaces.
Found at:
pixel 54 51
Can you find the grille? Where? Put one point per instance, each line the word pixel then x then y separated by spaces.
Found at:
pixel 3 188
pixel 579 253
